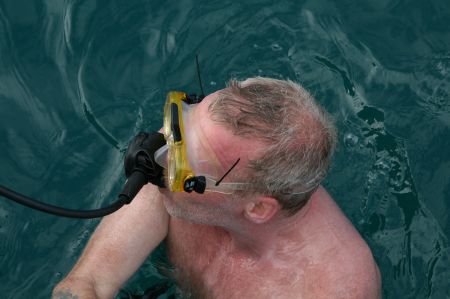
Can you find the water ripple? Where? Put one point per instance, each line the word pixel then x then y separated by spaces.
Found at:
pixel 393 217
pixel 9 243
pixel 79 78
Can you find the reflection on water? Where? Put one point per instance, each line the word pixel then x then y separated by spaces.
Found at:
pixel 79 78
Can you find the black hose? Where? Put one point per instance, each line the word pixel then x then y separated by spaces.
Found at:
pixel 140 169
pixel 54 210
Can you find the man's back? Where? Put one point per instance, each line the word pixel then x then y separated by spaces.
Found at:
pixel 327 258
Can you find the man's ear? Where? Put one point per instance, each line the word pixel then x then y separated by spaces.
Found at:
pixel 262 209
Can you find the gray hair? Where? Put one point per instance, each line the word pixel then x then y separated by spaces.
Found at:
pixel 299 135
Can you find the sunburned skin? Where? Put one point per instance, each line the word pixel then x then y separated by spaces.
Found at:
pixel 228 246
pixel 215 142
pixel 218 253
pixel 325 256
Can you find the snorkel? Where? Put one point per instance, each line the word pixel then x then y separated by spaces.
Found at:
pixel 140 168
pixel 145 159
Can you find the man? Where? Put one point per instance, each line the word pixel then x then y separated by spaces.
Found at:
pixel 266 229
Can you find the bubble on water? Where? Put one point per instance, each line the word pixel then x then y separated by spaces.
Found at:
pixel 291 51
pixel 372 177
pixel 213 83
pixel 377 125
pixel 255 46
pixel 276 47
pixel 228 29
pixel 442 69
pixel 76 245
pixel 170 42
pixel 350 140
pixel 26 225
pixel 382 165
pixel 405 190
pixel 309 17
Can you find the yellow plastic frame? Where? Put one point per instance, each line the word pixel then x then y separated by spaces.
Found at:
pixel 179 171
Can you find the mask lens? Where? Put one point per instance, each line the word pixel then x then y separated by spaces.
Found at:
pixel 172 112
pixel 167 120
pixel 178 166
pixel 172 167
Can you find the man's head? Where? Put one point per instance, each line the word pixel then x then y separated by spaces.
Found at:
pixel 298 136
pixel 283 138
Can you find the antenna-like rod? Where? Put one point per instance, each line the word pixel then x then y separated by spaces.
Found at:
pixel 226 173
pixel 198 74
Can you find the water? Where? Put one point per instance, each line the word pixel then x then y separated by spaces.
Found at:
pixel 79 78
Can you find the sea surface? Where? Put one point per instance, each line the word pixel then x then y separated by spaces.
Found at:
pixel 78 79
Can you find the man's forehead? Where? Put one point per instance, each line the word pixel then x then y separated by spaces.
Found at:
pixel 225 146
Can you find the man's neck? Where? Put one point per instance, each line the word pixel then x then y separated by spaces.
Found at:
pixel 262 241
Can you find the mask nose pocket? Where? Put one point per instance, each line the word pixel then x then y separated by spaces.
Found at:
pixel 161 156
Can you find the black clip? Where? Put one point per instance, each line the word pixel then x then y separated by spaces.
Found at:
pixel 194 99
pixel 196 183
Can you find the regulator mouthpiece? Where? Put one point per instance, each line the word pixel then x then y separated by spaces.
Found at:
pixel 140 165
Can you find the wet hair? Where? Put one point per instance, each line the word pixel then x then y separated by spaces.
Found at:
pixel 298 134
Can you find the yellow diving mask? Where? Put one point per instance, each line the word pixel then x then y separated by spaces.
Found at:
pixel 184 174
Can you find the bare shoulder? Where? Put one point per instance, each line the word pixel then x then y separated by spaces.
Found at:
pixel 347 279
pixel 348 269
pixel 350 274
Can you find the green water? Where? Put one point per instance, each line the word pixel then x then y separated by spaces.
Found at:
pixel 79 78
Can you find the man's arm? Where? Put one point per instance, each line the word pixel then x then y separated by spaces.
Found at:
pixel 119 245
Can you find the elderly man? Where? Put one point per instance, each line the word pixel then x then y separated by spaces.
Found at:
pixel 258 225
